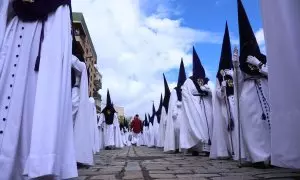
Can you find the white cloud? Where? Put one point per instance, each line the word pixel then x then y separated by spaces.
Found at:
pixel 134 48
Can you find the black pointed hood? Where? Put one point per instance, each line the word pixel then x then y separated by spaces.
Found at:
pixel 198 70
pixel 146 123
pixel 248 42
pixel 226 55
pixel 149 119
pixel 108 99
pixel 109 110
pixel 167 94
pixel 199 76
pixel 181 75
pixel 181 80
pixel 158 112
pixel 153 114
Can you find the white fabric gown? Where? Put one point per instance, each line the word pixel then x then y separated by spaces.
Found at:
pixel 194 130
pixel 282 38
pixel 82 139
pixel 101 133
pixel 155 131
pixel 127 137
pixel 173 119
pixel 56 150
pixel 146 135
pixel 109 132
pixel 255 131
pixel 38 153
pixel 162 128
pixel 224 141
pixel 151 136
pixel 118 135
pixel 3 18
pixel 94 126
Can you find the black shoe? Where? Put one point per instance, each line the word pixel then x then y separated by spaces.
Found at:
pixel 260 165
pixel 195 153
pixel 177 151
pixel 207 154
pixel 107 148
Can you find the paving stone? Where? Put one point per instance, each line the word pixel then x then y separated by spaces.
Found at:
pixel 132 166
pixel 133 175
pixel 82 177
pixel 158 165
pixel 161 172
pixel 104 177
pixel 233 178
pixel 162 176
pixel 197 175
pixel 87 173
pixel 278 175
pixel 183 171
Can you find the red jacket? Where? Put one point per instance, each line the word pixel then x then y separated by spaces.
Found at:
pixel 136 125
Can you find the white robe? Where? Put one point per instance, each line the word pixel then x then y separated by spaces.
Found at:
pixel 173 119
pixel 146 135
pixel 162 128
pixel 94 126
pixel 118 135
pixel 224 142
pixel 101 133
pixel 151 134
pixel 82 140
pixel 255 131
pixel 108 130
pixel 194 129
pixel 281 28
pixel 3 18
pixel 128 143
pixel 38 153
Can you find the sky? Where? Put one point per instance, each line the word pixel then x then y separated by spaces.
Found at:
pixel 138 40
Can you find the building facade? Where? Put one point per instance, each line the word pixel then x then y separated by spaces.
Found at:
pixel 86 51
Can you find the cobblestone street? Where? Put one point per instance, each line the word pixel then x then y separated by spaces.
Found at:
pixel 150 163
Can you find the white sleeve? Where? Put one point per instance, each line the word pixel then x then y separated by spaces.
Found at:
pixel 264 70
pixel 220 93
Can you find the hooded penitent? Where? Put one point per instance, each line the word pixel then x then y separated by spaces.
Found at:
pixel 248 43
pixel 109 110
pixel 158 112
pixel 167 95
pixel 153 114
pixel 199 77
pixel 226 63
pixel 146 123
pixel 180 81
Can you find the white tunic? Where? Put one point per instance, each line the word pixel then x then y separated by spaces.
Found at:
pixel 281 26
pixel 3 18
pixel 146 135
pixel 24 121
pixel 196 124
pixel 162 128
pixel 82 139
pixel 94 126
pixel 171 142
pixel 224 143
pixel 109 130
pixel 255 130
pixel 101 133
pixel 118 136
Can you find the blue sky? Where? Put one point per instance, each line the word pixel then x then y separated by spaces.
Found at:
pixel 211 15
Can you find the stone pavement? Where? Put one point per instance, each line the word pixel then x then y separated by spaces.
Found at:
pixel 149 163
